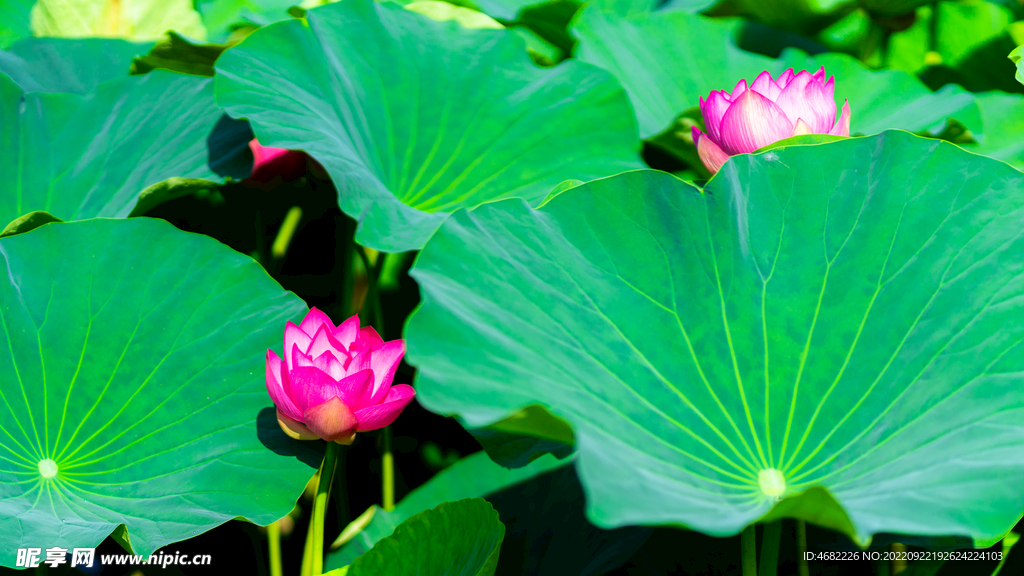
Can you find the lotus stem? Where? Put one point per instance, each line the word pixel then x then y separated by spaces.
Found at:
pixel 1008 542
pixel 371 304
pixel 801 548
pixel 899 563
pixel 882 568
pixel 307 550
pixel 770 539
pixel 372 308
pixel 748 551
pixel 261 248
pixel 274 548
pixel 387 472
pixel 933 28
pixel 286 232
pixel 323 494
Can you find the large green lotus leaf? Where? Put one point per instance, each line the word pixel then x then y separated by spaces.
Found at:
pixel 68 65
pixel 443 12
pixel 541 506
pixel 892 7
pixel 890 98
pixel 132 19
pixel 131 387
pixel 1016 56
pixel 1003 117
pixel 806 17
pixel 691 6
pixel 887 99
pixel 969 39
pixel 663 61
pixel 222 16
pixel 550 19
pixel 838 328
pixel 509 10
pixel 14 20
pixel 81 156
pixel 407 135
pixel 461 538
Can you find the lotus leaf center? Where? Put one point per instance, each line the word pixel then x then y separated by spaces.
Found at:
pixel 48 468
pixel 772 483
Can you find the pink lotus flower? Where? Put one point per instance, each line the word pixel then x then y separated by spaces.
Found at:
pixel 768 111
pixel 335 381
pixel 269 162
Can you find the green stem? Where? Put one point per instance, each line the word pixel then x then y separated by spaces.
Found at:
pixel 899 564
pixel 801 547
pixel 274 548
pixel 748 551
pixel 999 567
pixel 307 550
pixel 388 472
pixel 933 28
pixel 371 304
pixel 1009 541
pixel 261 242
pixel 323 494
pixel 286 232
pixel 883 568
pixel 770 539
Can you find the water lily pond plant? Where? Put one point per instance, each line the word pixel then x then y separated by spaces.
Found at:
pixel 512 287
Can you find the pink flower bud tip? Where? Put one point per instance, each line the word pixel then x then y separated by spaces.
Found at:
pixel 269 163
pixel 335 381
pixel 769 110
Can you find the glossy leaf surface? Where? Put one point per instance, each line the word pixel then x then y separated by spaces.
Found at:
pixel 66 64
pixel 1015 57
pixel 663 61
pixel 848 315
pixel 14 21
pixel 221 17
pixel 92 155
pixel 406 135
pixel 1003 115
pixel 461 538
pixel 131 387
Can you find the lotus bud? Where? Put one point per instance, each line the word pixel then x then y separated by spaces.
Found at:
pixel 335 381
pixel 767 111
pixel 269 163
